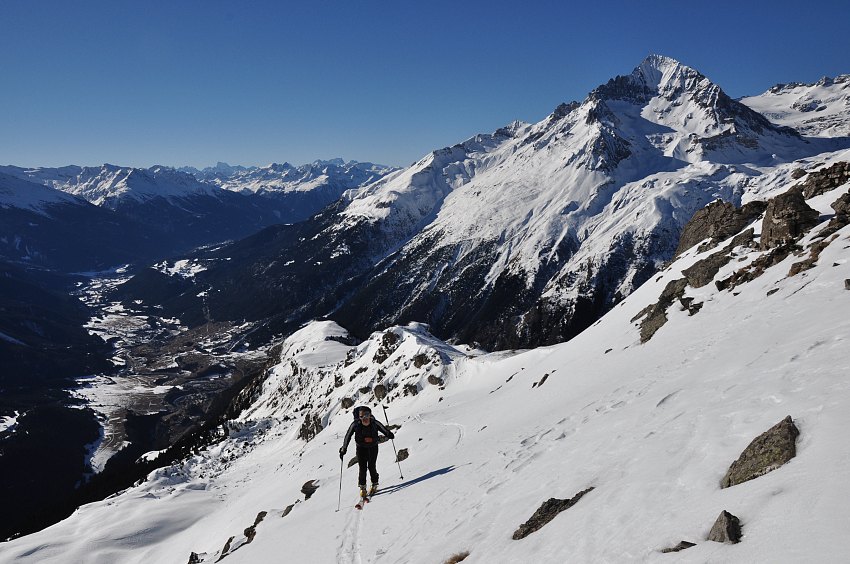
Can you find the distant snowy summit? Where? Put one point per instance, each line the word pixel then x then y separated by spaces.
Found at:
pixel 110 185
pixel 335 174
pixel 821 109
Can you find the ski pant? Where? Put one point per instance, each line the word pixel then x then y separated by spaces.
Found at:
pixel 367 456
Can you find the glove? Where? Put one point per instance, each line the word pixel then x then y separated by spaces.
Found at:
pixel 391 436
pixel 341 452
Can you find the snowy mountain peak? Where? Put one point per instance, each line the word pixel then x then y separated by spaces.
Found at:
pixel 821 109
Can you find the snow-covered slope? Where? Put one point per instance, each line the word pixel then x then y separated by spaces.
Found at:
pixel 821 109
pixel 652 427
pixel 18 193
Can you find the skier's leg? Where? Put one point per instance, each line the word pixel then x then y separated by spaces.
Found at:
pixel 373 470
pixel 362 462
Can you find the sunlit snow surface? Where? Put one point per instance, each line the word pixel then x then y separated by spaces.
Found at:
pixel 652 427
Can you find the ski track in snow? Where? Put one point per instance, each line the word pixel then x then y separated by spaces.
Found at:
pixel 349 548
pixel 461 429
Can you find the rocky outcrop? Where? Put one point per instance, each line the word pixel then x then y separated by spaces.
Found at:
pixel 311 427
pixel 824 180
pixel 656 314
pixel 389 343
pixel 842 205
pixel 765 453
pixel 717 221
pixel 347 403
pixel 546 513
pixel 726 529
pixel 704 271
pixel 380 391
pixel 435 380
pixel 787 218
pixel 403 454
pixel 679 547
pixel 309 488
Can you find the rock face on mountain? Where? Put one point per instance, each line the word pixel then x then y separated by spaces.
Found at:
pixel 717 221
pixel 826 179
pixel 766 453
pixel 786 219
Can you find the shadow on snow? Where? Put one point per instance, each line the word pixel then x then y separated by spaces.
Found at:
pixel 428 476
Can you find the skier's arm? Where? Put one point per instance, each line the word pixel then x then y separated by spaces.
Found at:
pixel 347 439
pixel 384 430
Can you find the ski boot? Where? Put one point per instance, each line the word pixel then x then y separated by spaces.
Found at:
pixel 363 493
pixel 374 489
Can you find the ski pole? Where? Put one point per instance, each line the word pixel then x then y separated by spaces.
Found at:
pixel 387 419
pixel 340 484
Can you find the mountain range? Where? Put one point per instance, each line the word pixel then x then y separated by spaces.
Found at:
pixel 649 226
pixel 704 416
pixel 518 238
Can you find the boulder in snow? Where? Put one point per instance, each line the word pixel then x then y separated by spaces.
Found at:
pixel 726 529
pixel 546 513
pixel 765 453
pixel 681 546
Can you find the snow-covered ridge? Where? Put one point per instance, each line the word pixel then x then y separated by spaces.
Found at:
pixel 821 109
pixel 18 193
pixel 286 178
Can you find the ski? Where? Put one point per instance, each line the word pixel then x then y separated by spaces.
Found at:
pixel 363 501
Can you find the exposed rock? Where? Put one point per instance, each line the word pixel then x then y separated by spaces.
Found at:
pixel 757 267
pixel 311 427
pixel 365 389
pixel 717 221
pixel 226 550
pixel 814 253
pixel 798 173
pixel 309 488
pixel 656 315
pixel 421 360
pixel 389 343
pixel 824 180
pixel 352 462
pixel 260 516
pixel 194 558
pixel 787 218
pixel 842 204
pixel 847 283
pixel 546 513
pixel 765 453
pixel 403 454
pixel 460 556
pixel 411 389
pixel 727 529
pixel 703 272
pixel 347 403
pixel 681 546
pixel 288 509
pixel 250 533
pixel 380 392
pixel 435 380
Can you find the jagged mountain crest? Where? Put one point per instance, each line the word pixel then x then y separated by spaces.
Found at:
pixel 526 235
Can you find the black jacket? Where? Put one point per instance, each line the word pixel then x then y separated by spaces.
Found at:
pixel 365 435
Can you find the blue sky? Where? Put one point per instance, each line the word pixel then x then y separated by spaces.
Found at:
pixel 254 82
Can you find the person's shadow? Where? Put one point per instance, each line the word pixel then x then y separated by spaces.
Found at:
pixel 428 476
